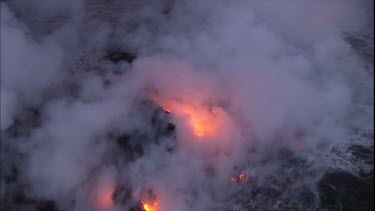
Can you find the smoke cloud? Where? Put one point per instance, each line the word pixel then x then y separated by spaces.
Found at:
pixel 182 105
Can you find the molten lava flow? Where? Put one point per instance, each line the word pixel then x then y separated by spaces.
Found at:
pixel 242 176
pixel 150 206
pixel 239 178
pixel 203 122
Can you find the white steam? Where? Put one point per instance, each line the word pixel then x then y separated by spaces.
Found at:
pixel 278 74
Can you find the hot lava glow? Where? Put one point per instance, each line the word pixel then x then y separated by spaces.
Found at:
pixel 242 176
pixel 104 198
pixel 238 178
pixel 149 206
pixel 202 121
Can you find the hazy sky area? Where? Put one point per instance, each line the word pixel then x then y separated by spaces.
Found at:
pixel 183 105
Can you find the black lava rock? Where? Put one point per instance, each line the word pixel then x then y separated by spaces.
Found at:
pixel 47 205
pixel 133 149
pixel 344 191
pixel 116 56
pixel 362 153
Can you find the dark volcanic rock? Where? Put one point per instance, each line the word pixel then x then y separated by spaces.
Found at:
pixel 362 152
pixel 116 56
pixel 48 205
pixel 344 191
pixel 133 149
pixel 25 122
pixel 16 199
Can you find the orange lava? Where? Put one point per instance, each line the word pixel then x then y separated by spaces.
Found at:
pixel 242 176
pixel 150 206
pixel 203 122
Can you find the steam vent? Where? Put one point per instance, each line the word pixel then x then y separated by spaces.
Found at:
pixel 187 105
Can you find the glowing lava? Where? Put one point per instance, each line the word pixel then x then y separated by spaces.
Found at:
pixel 150 206
pixel 239 178
pixel 242 176
pixel 203 122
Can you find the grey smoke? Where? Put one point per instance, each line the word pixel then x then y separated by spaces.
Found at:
pixel 282 74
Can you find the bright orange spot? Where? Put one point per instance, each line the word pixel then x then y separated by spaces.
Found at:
pixel 166 109
pixel 105 197
pixel 204 123
pixel 242 176
pixel 150 206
